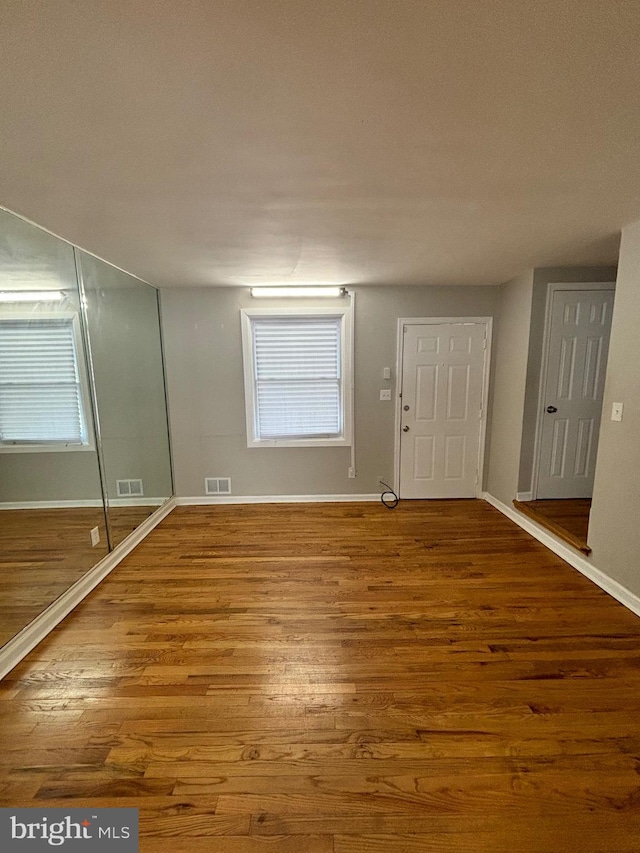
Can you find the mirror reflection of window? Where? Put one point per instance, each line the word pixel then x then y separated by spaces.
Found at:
pixel 43 400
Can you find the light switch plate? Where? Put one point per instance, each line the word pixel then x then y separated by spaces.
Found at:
pixel 385 394
pixel 386 373
pixel 616 411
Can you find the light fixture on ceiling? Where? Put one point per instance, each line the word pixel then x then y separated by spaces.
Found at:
pixel 285 292
pixel 31 296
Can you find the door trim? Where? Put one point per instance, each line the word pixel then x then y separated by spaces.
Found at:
pixel 552 289
pixel 403 322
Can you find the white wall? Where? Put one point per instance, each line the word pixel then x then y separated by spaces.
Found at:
pixel 206 393
pixel 614 528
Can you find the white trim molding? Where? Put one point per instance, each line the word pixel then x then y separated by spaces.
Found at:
pixel 569 555
pixel 136 501
pixel 94 502
pixel 211 500
pixel 524 496
pixel 26 640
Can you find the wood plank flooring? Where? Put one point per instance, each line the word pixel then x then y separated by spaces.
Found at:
pixel 44 551
pixel 338 678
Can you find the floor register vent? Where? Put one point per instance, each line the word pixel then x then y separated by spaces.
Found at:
pixel 217 486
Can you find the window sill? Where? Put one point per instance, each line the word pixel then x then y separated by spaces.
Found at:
pixel 300 442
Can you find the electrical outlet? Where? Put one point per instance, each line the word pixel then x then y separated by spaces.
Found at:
pixel 95 536
pixel 351 473
pixel 385 394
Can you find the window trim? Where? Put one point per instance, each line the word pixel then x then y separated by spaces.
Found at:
pixel 346 354
pixel 85 399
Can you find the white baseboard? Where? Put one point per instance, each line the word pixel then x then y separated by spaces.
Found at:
pixel 81 503
pixel 568 554
pixel 136 501
pixel 19 646
pixel 524 496
pixel 210 500
pixel 50 504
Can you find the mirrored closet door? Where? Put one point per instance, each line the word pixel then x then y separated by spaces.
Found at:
pixel 84 447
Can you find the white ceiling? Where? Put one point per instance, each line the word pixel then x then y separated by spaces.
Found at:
pixel 198 142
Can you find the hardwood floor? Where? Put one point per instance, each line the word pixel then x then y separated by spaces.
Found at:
pixel 44 551
pixel 338 677
pixel 567 518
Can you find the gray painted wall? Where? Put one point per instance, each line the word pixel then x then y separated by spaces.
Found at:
pixel 206 391
pixel 541 278
pixel 57 476
pixel 512 350
pixel 614 529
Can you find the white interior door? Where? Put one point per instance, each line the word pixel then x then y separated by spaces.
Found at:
pixel 573 387
pixel 442 390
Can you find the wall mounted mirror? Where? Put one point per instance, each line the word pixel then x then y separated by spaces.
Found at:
pixel 84 447
pixel 125 349
pixel 50 491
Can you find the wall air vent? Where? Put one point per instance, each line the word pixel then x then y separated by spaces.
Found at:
pixel 217 486
pixel 129 488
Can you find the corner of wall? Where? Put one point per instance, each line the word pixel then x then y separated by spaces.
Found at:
pixel 507 411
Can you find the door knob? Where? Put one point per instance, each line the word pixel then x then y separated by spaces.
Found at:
pixel 406 408
pixel 551 409
pixel 405 429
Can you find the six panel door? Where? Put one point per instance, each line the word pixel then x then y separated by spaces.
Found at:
pixel 574 385
pixel 442 387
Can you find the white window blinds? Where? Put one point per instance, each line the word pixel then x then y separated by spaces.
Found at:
pixel 40 392
pixel 297 377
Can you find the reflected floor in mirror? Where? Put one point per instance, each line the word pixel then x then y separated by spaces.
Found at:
pixel 567 518
pixel 44 551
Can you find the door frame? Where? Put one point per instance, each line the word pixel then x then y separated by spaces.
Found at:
pixel 403 322
pixel 552 288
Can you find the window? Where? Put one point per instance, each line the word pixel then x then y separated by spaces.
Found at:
pixel 42 398
pixel 297 377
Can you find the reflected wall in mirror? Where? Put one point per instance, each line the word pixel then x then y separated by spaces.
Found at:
pixel 123 325
pixel 50 489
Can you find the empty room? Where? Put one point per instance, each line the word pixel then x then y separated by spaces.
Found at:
pixel 319 370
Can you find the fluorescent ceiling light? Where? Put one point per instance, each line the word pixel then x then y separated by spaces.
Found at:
pixel 31 296
pixel 334 292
